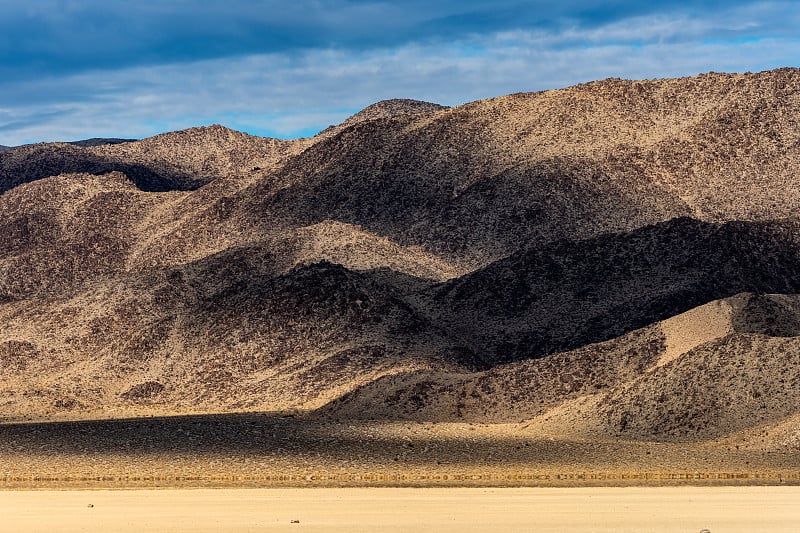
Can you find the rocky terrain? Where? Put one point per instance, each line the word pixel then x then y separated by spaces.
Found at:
pixel 723 367
pixel 611 262
pixel 382 109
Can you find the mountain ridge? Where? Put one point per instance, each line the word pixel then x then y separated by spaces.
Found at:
pixel 549 258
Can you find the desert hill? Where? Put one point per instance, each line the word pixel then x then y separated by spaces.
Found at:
pixel 567 294
pixel 552 257
pixel 712 371
pixel 183 160
pixel 573 163
pixel 37 161
pixel 238 330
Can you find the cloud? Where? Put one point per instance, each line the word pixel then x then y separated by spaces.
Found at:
pixel 70 36
pixel 291 92
pixel 10 121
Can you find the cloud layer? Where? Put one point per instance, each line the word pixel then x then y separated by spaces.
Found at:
pixel 76 69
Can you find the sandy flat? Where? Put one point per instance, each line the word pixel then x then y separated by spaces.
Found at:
pixel 678 509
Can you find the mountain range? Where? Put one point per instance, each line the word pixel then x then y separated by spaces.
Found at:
pixel 614 260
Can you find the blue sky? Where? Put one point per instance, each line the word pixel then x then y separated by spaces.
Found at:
pixel 72 69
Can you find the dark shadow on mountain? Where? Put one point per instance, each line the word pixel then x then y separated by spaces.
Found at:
pixel 100 141
pixel 51 160
pixel 284 437
pixel 568 294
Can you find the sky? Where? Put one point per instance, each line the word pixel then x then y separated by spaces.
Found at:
pixel 74 69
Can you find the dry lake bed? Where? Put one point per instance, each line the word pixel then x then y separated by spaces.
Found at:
pixel 608 509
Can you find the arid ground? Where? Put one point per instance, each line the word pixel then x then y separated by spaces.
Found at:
pixel 620 510
pixel 260 450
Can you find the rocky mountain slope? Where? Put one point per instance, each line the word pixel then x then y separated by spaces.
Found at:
pixel 719 368
pixel 618 258
pixel 183 160
pixel 564 295
pixel 383 109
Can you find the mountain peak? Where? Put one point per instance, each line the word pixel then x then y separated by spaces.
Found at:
pixel 385 109
pixel 392 108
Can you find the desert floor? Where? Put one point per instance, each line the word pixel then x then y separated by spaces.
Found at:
pixel 634 509
pixel 259 451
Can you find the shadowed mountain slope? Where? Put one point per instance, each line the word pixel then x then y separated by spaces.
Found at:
pixel 567 294
pixel 714 371
pixel 37 161
pixel 100 141
pixel 59 232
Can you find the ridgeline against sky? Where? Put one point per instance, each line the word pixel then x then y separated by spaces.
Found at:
pixel 71 70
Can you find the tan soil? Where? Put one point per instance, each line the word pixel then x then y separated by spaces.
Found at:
pixel 626 510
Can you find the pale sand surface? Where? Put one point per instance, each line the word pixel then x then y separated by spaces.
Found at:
pixel 667 509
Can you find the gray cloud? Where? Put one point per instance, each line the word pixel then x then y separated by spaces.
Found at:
pixel 298 93
pixel 69 36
